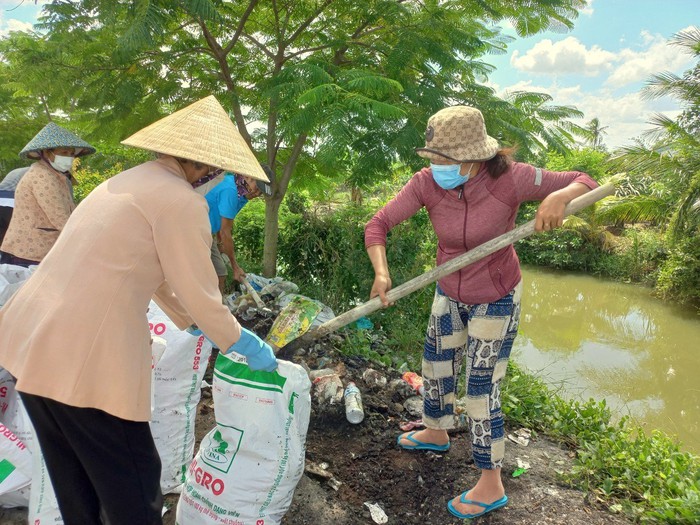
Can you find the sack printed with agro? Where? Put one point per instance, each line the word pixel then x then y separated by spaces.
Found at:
pixel 39 496
pixel 179 362
pixel 15 469
pixel 248 466
pixel 15 419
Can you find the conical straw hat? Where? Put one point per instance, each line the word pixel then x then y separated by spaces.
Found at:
pixel 202 132
pixel 54 136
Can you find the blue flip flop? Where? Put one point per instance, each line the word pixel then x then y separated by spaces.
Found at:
pixel 420 445
pixel 487 507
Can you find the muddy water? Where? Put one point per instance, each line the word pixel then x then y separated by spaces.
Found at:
pixel 600 339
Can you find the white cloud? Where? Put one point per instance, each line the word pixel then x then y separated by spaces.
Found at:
pixel 6 26
pixel 625 67
pixel 635 66
pixel 626 116
pixel 566 56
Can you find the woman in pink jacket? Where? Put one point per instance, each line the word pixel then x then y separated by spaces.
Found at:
pixel 76 334
pixel 472 192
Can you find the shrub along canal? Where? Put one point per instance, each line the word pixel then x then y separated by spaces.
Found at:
pixel 588 337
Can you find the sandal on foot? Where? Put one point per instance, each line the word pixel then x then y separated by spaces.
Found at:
pixel 420 445
pixel 487 507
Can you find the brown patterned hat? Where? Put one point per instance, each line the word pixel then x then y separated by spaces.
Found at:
pixel 458 133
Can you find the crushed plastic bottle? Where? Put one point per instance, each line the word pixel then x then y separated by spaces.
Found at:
pixel 353 404
pixel 415 381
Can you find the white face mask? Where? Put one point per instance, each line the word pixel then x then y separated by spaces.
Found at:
pixel 62 163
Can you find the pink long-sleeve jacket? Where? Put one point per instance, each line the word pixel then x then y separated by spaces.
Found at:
pixel 465 217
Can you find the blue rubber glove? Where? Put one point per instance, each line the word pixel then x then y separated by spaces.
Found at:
pixel 256 351
pixel 193 330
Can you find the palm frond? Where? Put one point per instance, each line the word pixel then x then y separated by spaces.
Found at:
pixel 632 209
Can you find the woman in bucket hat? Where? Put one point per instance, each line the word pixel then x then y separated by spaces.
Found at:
pixel 44 196
pixel 76 335
pixel 472 191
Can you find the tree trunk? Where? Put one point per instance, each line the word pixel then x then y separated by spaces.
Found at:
pixel 356 195
pixel 272 211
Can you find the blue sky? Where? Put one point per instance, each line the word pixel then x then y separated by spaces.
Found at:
pixel 602 63
pixel 598 67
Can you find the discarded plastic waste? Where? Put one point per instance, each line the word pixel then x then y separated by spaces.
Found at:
pixel 279 288
pixel 415 381
pixel 410 425
pixel 521 436
pixel 519 472
pixel 414 406
pixel 372 378
pixel 522 463
pixel 353 404
pixel 364 323
pixel 315 374
pixel 329 389
pixel 317 470
pixel 377 513
pixel 293 321
pixel 335 483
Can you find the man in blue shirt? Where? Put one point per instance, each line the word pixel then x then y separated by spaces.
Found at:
pixel 226 194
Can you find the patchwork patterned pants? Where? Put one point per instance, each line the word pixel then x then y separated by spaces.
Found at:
pixel 485 333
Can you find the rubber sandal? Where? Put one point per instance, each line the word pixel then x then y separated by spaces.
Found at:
pixel 420 445
pixel 487 507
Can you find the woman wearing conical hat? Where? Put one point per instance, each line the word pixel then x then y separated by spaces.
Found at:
pixel 44 195
pixel 76 335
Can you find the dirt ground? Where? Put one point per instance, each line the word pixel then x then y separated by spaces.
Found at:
pixel 349 465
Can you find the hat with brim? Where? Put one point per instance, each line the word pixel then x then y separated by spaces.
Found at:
pixel 201 132
pixel 458 133
pixel 53 136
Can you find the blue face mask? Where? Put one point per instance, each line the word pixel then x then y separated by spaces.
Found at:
pixel 447 175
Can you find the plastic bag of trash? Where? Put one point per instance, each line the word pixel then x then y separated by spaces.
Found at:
pixel 258 281
pixel 298 314
pixel 295 318
pixel 278 288
pixel 248 466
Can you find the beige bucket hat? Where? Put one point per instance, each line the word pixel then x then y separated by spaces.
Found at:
pixel 201 132
pixel 458 133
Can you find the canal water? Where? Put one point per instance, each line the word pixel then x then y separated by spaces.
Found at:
pixel 592 338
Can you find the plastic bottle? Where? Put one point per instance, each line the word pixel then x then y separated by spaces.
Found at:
pixel 415 381
pixel 353 404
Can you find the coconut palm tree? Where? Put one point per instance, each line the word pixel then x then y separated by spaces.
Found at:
pixel 596 132
pixel 665 169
